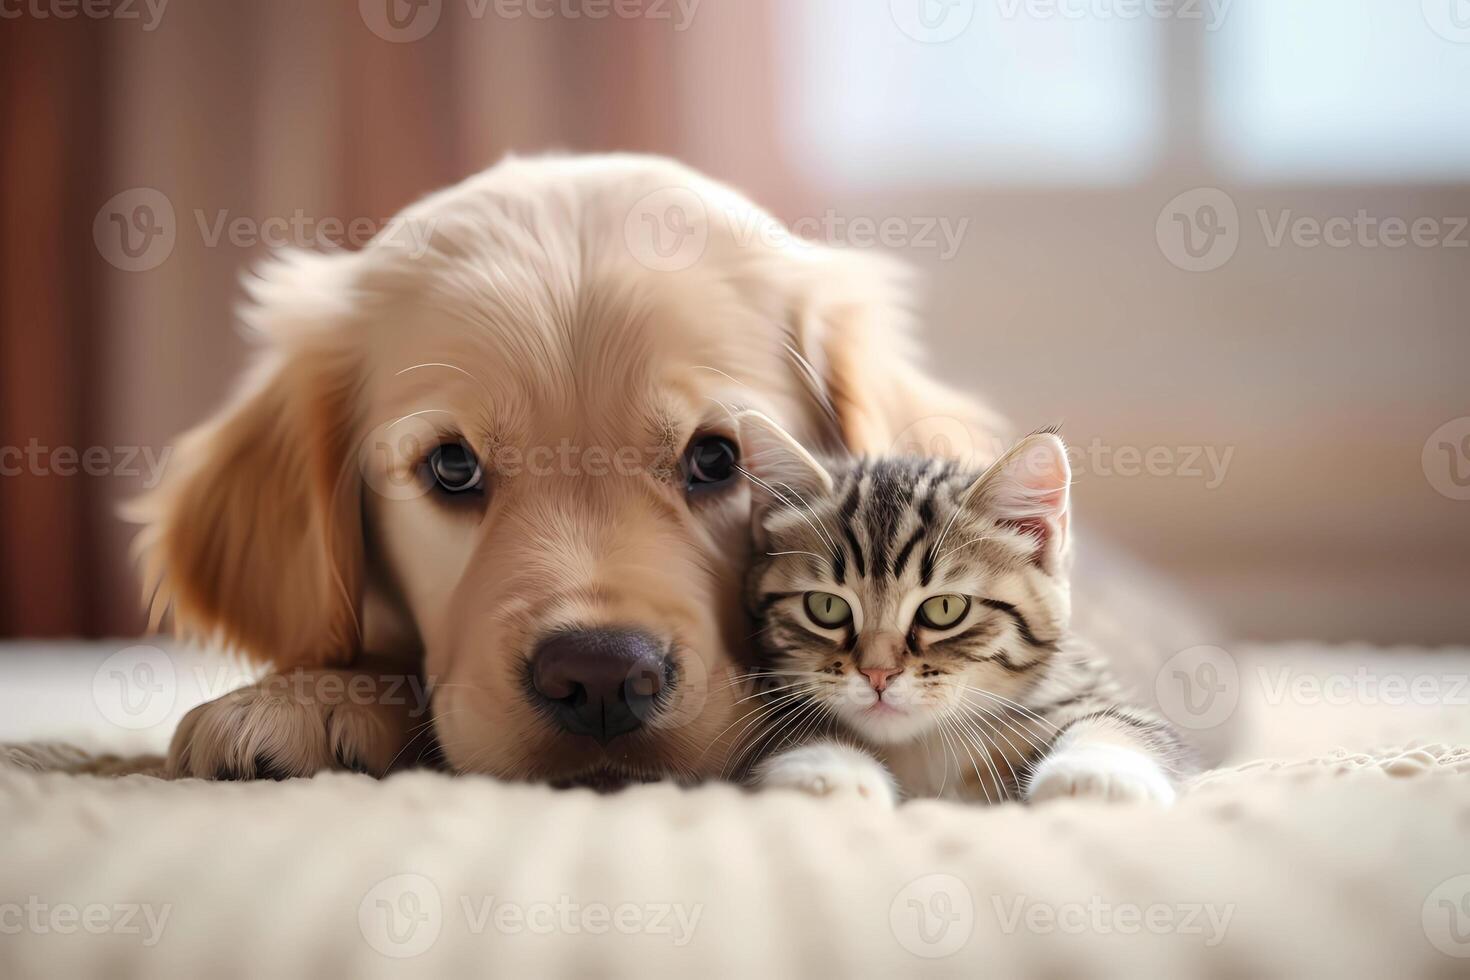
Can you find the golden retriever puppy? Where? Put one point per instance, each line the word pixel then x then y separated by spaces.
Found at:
pixel 495 450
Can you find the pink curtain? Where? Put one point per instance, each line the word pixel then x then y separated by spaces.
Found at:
pixel 248 112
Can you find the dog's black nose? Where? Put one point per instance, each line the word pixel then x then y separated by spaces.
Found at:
pixel 602 683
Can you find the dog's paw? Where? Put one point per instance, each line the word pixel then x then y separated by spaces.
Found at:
pixel 829 769
pixel 1101 772
pixel 293 724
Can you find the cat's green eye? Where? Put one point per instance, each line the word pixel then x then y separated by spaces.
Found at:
pixel 827 610
pixel 943 611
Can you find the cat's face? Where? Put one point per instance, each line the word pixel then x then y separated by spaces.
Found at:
pixel 903 596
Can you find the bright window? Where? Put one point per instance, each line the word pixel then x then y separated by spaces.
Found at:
pixel 960 91
pixel 1342 89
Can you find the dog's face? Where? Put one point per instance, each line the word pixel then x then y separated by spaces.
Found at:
pixel 513 454
pixel 565 517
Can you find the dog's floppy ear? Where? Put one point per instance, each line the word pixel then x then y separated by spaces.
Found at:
pixel 254 537
pixel 859 361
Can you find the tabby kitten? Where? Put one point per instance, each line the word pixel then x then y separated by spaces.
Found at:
pixel 913 627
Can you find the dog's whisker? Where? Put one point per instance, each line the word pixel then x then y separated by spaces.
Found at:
pixel 442 364
pixel 706 367
pixel 414 415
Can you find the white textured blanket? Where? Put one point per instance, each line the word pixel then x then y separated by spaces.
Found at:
pixel 1338 863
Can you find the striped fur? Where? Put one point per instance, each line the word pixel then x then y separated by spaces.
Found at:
pixel 978 707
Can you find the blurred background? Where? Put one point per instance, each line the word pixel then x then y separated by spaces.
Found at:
pixel 1224 241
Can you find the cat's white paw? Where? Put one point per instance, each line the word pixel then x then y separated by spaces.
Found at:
pixel 829 769
pixel 1101 772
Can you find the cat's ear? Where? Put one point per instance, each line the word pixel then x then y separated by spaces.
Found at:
pixel 1029 488
pixel 769 454
pixel 780 470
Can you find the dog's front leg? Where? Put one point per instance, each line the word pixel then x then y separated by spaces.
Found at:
pixel 368 719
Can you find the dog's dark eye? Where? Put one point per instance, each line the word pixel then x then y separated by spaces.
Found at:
pixel 455 469
pixel 710 460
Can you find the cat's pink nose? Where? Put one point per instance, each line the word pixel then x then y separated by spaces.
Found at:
pixel 880 676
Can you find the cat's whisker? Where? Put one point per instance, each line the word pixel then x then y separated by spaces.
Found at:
pixel 809 554
pixel 738 748
pixel 771 691
pixel 811 521
pixel 987 752
pixel 1016 705
pixel 755 716
pixel 941 555
pixel 1031 747
pixel 777 724
pixel 757 676
pixel 817 717
pixel 759 712
pixel 831 536
pixel 970 722
pixel 791 723
pixel 944 732
pixel 1005 714
pixel 1029 737
pixel 964 743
